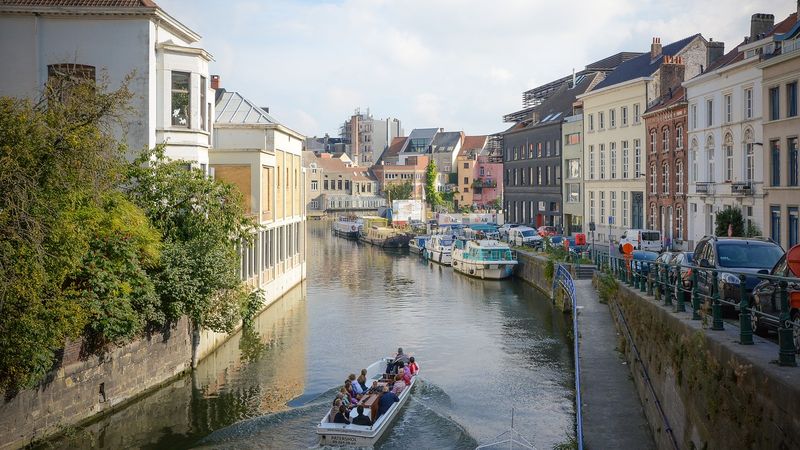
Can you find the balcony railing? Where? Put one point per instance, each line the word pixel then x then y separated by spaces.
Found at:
pixel 742 188
pixel 484 183
pixel 704 187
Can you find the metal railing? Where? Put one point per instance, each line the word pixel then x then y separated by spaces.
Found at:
pixel 665 282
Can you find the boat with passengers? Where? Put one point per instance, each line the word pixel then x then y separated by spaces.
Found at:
pixel 351 435
pixel 487 259
pixel 440 249
pixel 347 227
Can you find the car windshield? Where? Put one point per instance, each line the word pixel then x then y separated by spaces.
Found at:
pixel 651 236
pixel 748 255
pixel 527 233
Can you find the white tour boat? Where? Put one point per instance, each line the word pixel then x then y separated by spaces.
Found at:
pixel 349 435
pixel 440 249
pixel 347 227
pixel 486 259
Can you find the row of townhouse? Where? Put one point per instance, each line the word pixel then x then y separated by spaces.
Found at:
pixel 664 140
pixel 335 184
pixel 176 103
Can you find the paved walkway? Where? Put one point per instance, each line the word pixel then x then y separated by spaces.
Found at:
pixel 613 417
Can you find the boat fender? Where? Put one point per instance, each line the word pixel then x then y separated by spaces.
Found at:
pixel 471 271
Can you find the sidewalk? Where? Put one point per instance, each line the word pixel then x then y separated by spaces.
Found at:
pixel 612 413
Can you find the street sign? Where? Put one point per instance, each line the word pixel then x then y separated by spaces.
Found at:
pixel 793 259
pixel 591 226
pixel 611 220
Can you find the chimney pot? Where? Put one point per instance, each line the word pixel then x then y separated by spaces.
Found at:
pixel 761 24
pixel 655 48
pixel 215 82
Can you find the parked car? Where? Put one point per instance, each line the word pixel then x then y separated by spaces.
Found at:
pixel 766 299
pixel 641 240
pixel 523 236
pixel 643 261
pixel 749 255
pixel 683 260
pixel 546 231
pixel 503 230
pixel 663 258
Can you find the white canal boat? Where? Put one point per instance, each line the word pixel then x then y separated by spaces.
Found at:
pixel 418 244
pixel 347 227
pixel 349 435
pixel 486 259
pixel 440 249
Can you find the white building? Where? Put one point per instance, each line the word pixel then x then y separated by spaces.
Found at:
pixel 367 138
pixel 726 154
pixel 172 98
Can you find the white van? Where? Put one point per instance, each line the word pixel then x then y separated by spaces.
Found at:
pixel 523 236
pixel 642 240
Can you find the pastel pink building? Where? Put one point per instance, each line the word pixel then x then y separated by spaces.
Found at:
pixel 480 175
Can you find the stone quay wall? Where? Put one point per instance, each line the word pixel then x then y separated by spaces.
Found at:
pixel 713 392
pixel 82 387
pixel 532 269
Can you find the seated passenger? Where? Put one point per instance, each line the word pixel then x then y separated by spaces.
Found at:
pixel 375 389
pixel 341 416
pixel 386 401
pixel 337 402
pixel 412 365
pixel 348 387
pixel 407 373
pixel 400 356
pixel 399 384
pixel 361 419
pixel 357 389
pixel 362 379
pixel 345 398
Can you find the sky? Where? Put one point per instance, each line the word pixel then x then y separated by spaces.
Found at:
pixel 455 64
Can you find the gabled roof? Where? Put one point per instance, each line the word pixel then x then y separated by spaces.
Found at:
pixel 736 55
pixel 233 108
pixel 420 133
pixel 445 142
pixel 82 3
pixel 394 148
pixel 643 65
pixel 666 101
pixel 474 142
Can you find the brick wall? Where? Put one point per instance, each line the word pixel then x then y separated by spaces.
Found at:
pixel 72 392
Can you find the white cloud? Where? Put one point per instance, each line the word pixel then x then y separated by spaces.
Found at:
pixel 457 64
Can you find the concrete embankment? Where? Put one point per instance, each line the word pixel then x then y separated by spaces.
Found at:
pixel 701 388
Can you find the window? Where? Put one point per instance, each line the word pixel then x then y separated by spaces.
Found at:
pixel 652 223
pixel 774 104
pixel 181 93
pixel 539 150
pixel 637 158
pixel 679 222
pixel 679 137
pixel 728 99
pixel 466 180
pixel 613 151
pixel 665 178
pixel 539 176
pixel 791 99
pixel 653 179
pixel 710 155
pixel 775 161
pixel 728 149
pixel 625 162
pixel 637 117
pixel 693 158
pixel 601 122
pixel 775 223
pixel 547 175
pixel 652 142
pixel 324 183
pixel 612 118
pixel 793 226
pixel 665 139
pixel 693 114
pixel 466 165
pixel 678 177
pixel 314 185
pixel 573 168
pixel 591 122
pixel 602 161
pixel 203 89
pixel 624 208
pixel 591 206
pixel 602 207
pixel 314 204
pixel 557 147
pixel 573 193
pixel 547 148
pixel 709 112
pixel 573 138
pixel 613 203
pixel 749 162
pixel 591 162
pixel 623 116
pixel 792 160
pixel 748 103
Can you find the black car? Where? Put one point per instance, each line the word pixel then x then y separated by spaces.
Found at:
pixel 749 255
pixel 766 300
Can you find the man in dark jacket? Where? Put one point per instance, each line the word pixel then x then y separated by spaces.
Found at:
pixel 386 401
pixel 361 419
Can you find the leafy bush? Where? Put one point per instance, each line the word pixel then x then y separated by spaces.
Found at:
pixel 607 286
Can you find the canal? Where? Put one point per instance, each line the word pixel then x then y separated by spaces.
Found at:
pixel 483 347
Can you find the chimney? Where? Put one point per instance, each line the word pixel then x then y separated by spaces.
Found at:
pixel 672 73
pixel 715 50
pixel 655 48
pixel 760 24
pixel 215 82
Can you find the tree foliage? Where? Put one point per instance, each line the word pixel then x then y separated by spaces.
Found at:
pixel 399 191
pixel 729 216
pixel 202 223
pixel 433 196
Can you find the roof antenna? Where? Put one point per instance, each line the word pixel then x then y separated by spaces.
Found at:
pixel 573 77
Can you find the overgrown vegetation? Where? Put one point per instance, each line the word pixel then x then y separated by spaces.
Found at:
pixel 607 287
pixel 399 191
pixel 93 247
pixel 432 196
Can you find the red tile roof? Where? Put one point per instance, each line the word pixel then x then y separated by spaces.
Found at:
pixel 82 3
pixel 394 148
pixel 678 95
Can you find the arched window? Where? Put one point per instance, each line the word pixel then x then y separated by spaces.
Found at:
pixel 679 222
pixel 653 182
pixel 665 178
pixel 653 141
pixel 710 156
pixel 749 156
pixel 679 177
pixel 679 137
pixel 727 147
pixel 665 139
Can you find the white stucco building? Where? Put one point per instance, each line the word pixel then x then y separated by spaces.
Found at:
pixel 172 97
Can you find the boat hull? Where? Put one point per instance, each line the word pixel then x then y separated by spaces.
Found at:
pixel 438 256
pixel 484 270
pixel 400 241
pixel 346 234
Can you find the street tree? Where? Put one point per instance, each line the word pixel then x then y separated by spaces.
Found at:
pixel 729 217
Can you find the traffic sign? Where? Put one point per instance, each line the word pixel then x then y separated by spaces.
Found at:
pixel 793 260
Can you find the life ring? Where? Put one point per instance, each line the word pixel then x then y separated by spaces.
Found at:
pixel 353 228
pixel 471 271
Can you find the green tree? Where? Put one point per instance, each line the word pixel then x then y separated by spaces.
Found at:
pixel 732 217
pixel 203 223
pixel 399 191
pixel 433 196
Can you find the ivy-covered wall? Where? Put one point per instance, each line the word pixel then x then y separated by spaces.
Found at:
pixel 715 393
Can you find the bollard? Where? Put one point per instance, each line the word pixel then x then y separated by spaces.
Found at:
pixel 745 325
pixel 785 338
pixel 695 297
pixel 667 286
pixel 716 306
pixel 679 292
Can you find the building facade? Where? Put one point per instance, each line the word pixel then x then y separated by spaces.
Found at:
pixel 572 166
pixel 780 77
pixel 412 172
pixel 616 140
pixel 172 95
pixel 335 184
pixel 367 138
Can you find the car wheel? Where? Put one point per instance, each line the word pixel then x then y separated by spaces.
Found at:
pixel 796 329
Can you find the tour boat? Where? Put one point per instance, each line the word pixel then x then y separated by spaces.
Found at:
pixel 347 227
pixel 486 259
pixel 440 249
pixel 417 244
pixel 349 435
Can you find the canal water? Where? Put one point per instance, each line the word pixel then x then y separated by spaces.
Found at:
pixel 484 347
